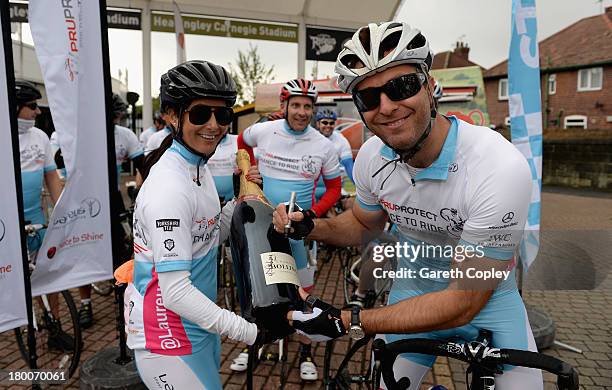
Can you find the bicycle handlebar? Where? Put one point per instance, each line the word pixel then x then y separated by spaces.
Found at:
pixel 473 353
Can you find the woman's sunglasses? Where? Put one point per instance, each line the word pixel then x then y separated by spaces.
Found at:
pixel 32 106
pixel 200 114
pixel 400 88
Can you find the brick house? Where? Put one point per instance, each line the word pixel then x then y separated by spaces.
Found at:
pixel 576 78
pixel 458 58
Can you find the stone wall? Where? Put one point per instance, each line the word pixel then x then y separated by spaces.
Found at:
pixel 578 163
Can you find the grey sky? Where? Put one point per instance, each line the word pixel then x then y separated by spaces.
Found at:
pixel 483 24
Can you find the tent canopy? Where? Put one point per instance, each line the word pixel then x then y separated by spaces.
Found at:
pixel 333 13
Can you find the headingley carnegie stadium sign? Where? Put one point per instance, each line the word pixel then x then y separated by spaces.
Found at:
pixel 131 19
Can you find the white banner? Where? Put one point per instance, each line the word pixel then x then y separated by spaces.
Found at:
pixel 13 312
pixel 181 56
pixel 68 42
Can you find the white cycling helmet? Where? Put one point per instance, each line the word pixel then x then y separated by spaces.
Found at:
pixel 299 87
pixel 364 54
pixel 437 92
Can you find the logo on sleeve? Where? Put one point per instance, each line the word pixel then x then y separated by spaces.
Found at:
pixel 169 244
pixel 168 224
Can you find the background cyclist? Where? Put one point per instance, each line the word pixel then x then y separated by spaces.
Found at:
pixel 326 123
pixel 38 167
pixel 158 124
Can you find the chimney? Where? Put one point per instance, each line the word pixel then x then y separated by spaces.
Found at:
pixel 462 50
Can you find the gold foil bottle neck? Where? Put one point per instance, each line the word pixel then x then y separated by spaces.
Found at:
pixel 248 189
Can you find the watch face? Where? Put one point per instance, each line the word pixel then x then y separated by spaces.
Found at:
pixel 356 333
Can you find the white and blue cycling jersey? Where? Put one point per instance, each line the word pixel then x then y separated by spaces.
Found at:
pixel 176 229
pixel 474 195
pixel 36 160
pixel 292 161
pixel 345 156
pixel 127 147
pixel 145 135
pixel 155 140
pixel 222 165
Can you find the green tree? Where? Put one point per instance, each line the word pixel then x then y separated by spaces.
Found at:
pixel 247 72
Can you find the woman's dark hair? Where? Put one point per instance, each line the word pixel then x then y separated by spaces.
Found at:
pixel 154 156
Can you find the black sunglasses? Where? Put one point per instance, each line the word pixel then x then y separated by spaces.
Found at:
pixel 399 88
pixel 328 123
pixel 31 106
pixel 200 114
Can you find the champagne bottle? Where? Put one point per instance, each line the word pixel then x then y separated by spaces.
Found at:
pixel 263 266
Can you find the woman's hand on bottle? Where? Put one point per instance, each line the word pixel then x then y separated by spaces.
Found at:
pixel 252 175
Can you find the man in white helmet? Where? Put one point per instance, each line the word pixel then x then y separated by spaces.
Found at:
pixel 445 184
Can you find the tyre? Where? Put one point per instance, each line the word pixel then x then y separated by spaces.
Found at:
pixel 49 355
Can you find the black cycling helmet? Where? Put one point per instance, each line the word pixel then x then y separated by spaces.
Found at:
pixel 118 105
pixel 195 80
pixel 26 92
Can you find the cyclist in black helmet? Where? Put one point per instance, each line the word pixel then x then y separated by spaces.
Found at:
pixel 174 324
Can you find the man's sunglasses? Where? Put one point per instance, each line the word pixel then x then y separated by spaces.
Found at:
pixel 200 114
pixel 32 106
pixel 400 88
pixel 328 123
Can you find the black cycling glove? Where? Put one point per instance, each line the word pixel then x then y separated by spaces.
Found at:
pixel 323 324
pixel 301 229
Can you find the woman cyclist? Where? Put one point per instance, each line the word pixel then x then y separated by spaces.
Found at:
pixel 174 325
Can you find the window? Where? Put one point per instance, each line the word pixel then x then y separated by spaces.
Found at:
pixel 590 79
pixel 552 84
pixel 575 121
pixel 502 91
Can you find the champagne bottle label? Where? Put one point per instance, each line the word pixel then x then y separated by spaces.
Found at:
pixel 278 268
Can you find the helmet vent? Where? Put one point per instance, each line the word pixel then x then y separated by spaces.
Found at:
pixel 389 44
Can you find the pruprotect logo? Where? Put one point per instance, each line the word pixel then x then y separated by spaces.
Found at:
pixel 70 63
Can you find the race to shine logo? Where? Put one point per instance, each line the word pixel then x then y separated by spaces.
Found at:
pixel 88 208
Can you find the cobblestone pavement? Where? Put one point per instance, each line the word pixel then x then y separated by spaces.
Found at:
pixel 571 281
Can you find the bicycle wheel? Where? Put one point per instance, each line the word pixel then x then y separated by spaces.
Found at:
pixel 49 354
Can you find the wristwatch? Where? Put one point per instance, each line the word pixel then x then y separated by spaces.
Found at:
pixel 356 331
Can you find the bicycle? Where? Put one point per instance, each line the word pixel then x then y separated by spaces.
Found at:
pixel 225 277
pixel 46 324
pixel 343 378
pixel 484 361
